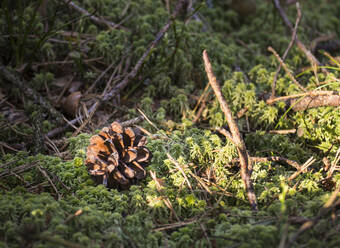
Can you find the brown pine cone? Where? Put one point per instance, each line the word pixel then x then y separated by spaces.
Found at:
pixel 117 156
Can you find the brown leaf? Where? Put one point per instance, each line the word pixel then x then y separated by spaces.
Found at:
pixel 70 104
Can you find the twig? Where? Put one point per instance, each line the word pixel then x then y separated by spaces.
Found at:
pixel 313 93
pixel 95 19
pixel 226 133
pixel 303 168
pixel 246 168
pixel 276 159
pixel 334 163
pixel 174 225
pixel 298 19
pixel 98 79
pixel 31 93
pixel 286 69
pixel 133 121
pixel 64 62
pixel 288 24
pixel 44 173
pixel 179 167
pixel 315 102
pixel 329 205
pixel 287 131
pixel 165 199
pixel 17 169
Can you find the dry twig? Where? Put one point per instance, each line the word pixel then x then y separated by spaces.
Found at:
pixel 165 199
pixel 286 69
pixel 298 19
pixel 288 24
pixel 246 168
pixel 303 168
pixel 95 19
pixel 312 99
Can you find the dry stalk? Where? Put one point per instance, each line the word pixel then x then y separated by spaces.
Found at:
pixel 286 69
pixel 286 131
pixel 95 19
pixel 298 19
pixel 300 45
pixel 313 93
pixel 303 168
pixel 165 199
pixel 246 168
pixel 276 159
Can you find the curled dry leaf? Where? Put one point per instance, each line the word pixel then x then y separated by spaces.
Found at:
pixel 71 102
pixel 117 156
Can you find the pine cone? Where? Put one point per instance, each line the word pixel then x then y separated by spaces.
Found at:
pixel 117 156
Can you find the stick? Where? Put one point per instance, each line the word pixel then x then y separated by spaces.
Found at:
pixel 43 172
pixel 276 159
pixel 303 168
pixel 313 93
pixel 246 168
pixel 298 19
pixel 286 69
pixel 95 19
pixel 288 24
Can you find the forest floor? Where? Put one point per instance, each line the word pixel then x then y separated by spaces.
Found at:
pixel 238 102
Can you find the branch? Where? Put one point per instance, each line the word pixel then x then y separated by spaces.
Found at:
pixel 298 19
pixel 95 19
pixel 288 24
pixel 246 168
pixel 311 99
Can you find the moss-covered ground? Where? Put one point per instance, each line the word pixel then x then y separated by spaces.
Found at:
pixel 48 199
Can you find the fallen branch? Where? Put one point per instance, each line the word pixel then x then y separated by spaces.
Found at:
pixel 298 19
pixel 246 167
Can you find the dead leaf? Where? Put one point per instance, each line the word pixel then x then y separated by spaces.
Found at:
pixel 70 104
